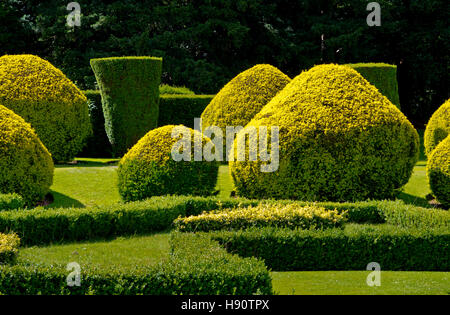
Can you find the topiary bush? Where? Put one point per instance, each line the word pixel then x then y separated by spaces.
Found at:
pixel 130 96
pixel 48 100
pixel 9 246
pixel 438 127
pixel 340 139
pixel 383 76
pixel 26 167
pixel 244 96
pixel 438 172
pixel 11 201
pixel 149 170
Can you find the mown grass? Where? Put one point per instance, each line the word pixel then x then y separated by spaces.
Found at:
pixel 122 252
pixel 354 282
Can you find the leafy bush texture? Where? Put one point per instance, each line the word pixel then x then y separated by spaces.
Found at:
pixel 438 127
pixel 340 139
pixel 11 201
pixel 9 245
pixel 148 169
pixel 289 216
pixel 26 167
pixel 130 96
pixel 43 96
pixel 438 171
pixel 383 76
pixel 244 96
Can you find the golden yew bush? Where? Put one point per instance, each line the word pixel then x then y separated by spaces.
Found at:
pixel 48 100
pixel 438 127
pixel 340 140
pixel 148 168
pixel 438 172
pixel 26 167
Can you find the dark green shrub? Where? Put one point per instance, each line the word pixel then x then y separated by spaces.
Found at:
pixel 438 172
pixel 148 169
pixel 130 97
pixel 438 128
pixel 392 247
pixel 197 265
pixel 11 201
pixel 182 109
pixel 383 76
pixel 340 139
pixel 43 96
pixel 172 90
pixel 98 143
pixel 26 167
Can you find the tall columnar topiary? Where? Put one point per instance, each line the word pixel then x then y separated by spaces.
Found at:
pixel 438 127
pixel 383 76
pixel 244 96
pixel 339 139
pixel 148 168
pixel 438 171
pixel 130 96
pixel 48 100
pixel 26 167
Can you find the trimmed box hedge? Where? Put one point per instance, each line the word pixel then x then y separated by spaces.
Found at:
pixel 11 201
pixel 394 248
pixel 383 76
pixel 275 215
pixel 182 109
pixel 43 226
pixel 197 265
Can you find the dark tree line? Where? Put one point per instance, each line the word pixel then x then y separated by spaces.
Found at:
pixel 205 43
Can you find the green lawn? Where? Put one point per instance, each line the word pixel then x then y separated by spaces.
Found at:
pixel 354 282
pixel 123 251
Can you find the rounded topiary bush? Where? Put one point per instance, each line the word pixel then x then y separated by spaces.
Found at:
pixel 148 168
pixel 26 167
pixel 130 97
pixel 340 139
pixel 48 100
pixel 438 171
pixel 438 127
pixel 243 97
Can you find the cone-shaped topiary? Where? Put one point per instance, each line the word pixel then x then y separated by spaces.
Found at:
pixel 438 172
pixel 148 168
pixel 48 100
pixel 438 127
pixel 339 139
pixel 26 167
pixel 130 97
pixel 243 97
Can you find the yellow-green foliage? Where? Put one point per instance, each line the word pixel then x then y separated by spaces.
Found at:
pixel 244 96
pixel 290 216
pixel 26 167
pixel 148 168
pixel 340 140
pixel 9 245
pixel 46 98
pixel 438 127
pixel 438 171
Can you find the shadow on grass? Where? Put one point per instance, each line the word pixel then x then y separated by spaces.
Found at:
pixel 63 201
pixel 413 200
pixel 89 163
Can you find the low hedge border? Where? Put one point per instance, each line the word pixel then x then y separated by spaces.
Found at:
pixel 44 226
pixel 353 248
pixel 11 201
pixel 197 265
